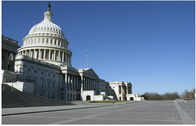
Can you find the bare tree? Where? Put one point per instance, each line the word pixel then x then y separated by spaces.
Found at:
pixel 189 95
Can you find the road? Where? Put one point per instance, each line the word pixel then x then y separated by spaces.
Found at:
pixel 145 112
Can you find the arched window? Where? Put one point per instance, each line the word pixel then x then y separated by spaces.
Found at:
pixel 88 97
pixel 131 98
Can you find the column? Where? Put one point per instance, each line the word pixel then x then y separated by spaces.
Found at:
pixel 54 55
pixel 44 54
pixel 65 81
pixel 82 84
pixel 63 56
pixel 30 53
pixel 34 54
pixel 74 82
pixel 69 81
pixel 40 53
pixel 37 54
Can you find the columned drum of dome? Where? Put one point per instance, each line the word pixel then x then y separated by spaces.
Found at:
pixel 45 41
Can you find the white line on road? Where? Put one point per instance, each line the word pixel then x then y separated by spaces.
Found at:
pixel 186 119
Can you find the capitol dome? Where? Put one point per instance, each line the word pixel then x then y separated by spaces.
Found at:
pixel 45 41
pixel 46 27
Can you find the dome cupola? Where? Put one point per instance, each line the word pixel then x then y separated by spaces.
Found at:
pixel 45 41
pixel 47 26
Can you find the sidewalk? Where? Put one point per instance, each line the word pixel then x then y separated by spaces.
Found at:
pixel 27 110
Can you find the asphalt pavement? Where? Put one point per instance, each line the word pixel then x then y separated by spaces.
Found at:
pixel 144 112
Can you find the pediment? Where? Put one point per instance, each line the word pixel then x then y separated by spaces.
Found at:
pixel 90 72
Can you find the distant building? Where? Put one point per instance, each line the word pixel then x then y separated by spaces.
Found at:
pixel 43 67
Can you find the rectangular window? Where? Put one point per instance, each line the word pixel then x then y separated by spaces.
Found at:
pixel 119 89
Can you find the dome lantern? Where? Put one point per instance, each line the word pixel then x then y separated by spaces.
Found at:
pixel 48 14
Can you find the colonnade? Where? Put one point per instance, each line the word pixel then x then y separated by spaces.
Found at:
pixel 47 54
pixel 72 82
pixel 73 86
pixel 89 84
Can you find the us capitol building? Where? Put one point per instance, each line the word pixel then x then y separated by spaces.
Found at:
pixel 42 66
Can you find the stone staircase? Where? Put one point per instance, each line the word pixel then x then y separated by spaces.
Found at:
pixel 12 98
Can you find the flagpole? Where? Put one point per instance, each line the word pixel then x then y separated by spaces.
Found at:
pixel 87 61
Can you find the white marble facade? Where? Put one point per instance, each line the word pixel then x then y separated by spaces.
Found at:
pixel 121 90
pixel 45 60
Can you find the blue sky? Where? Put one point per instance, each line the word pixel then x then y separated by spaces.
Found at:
pixel 150 44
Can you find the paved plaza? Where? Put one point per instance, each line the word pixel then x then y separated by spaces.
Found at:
pixel 143 112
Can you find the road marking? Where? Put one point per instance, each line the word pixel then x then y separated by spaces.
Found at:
pixel 186 119
pixel 86 117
